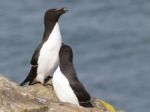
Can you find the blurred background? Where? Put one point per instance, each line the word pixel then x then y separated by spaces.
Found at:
pixel 110 40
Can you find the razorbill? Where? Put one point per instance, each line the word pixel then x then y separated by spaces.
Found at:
pixel 66 84
pixel 45 58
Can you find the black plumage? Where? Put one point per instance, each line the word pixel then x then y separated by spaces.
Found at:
pixel 67 68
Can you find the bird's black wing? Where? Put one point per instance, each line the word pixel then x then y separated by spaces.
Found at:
pixel 78 88
pixel 34 59
pixel 76 85
pixel 80 91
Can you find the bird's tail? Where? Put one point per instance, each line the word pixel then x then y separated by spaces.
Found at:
pixel 31 76
pixel 86 104
pixel 24 82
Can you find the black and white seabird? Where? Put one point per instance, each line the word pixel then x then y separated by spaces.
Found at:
pixel 45 59
pixel 66 84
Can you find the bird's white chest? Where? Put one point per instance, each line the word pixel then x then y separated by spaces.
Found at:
pixel 48 57
pixel 62 88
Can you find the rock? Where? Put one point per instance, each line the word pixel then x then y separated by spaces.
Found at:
pixel 36 98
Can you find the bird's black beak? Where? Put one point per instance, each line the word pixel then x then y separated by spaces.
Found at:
pixel 63 10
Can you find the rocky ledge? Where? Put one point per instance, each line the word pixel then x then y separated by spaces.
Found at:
pixel 36 98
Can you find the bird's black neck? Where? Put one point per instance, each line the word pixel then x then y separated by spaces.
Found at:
pixel 49 26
